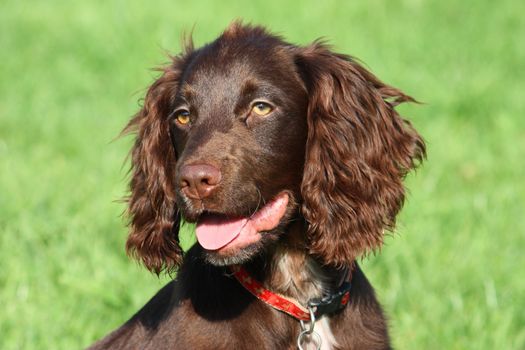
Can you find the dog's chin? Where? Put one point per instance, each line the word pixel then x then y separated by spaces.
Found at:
pixel 239 256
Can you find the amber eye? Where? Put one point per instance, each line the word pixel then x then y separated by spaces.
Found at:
pixel 183 117
pixel 261 108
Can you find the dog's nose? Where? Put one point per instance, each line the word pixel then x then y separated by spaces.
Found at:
pixel 198 181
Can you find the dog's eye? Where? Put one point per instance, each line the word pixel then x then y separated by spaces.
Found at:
pixel 182 117
pixel 261 108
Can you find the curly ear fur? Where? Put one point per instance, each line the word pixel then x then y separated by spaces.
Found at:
pixel 154 224
pixel 358 151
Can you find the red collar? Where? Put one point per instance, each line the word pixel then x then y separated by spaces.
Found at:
pixel 292 307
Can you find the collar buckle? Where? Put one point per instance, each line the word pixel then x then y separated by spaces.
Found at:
pixel 331 302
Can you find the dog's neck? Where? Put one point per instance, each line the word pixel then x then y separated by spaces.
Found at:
pixel 292 272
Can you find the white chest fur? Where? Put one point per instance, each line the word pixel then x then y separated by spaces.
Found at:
pixel 328 341
pixel 304 280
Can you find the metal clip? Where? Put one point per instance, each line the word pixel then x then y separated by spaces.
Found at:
pixel 308 332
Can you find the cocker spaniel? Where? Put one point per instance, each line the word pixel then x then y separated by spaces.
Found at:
pixel 290 160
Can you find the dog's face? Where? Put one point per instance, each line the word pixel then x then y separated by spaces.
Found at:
pixel 239 131
pixel 249 132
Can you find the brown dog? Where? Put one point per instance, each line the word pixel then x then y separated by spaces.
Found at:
pixel 290 160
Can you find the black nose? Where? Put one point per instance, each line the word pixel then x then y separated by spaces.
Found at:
pixel 198 181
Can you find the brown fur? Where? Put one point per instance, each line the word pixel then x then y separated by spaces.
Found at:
pixel 334 144
pixel 358 151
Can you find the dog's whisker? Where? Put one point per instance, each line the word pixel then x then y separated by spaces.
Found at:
pixel 261 199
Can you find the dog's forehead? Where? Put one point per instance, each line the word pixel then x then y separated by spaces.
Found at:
pixel 213 79
pixel 223 72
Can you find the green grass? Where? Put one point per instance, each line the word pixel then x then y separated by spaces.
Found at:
pixel 71 73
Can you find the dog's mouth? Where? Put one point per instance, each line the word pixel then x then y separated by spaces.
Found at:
pixel 219 233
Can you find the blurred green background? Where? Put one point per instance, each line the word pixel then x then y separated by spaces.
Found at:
pixel 72 72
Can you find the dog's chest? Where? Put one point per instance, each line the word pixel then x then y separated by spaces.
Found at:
pixel 302 279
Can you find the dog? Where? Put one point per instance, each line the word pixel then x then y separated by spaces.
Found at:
pixel 290 160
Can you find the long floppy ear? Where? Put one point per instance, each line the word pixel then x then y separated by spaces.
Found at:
pixel 358 151
pixel 154 218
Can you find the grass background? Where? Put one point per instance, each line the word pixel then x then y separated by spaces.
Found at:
pixel 71 73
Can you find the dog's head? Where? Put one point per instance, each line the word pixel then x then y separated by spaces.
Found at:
pixel 249 132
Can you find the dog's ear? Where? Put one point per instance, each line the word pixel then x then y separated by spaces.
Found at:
pixel 358 151
pixel 154 218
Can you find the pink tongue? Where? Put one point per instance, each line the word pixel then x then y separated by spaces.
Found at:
pixel 215 232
